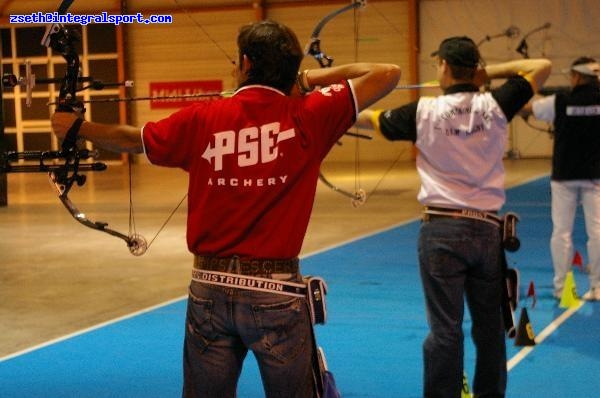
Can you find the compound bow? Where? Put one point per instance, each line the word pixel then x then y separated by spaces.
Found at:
pixel 62 40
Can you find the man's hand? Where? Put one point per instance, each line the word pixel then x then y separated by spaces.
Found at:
pixel 62 122
pixel 112 137
pixel 481 78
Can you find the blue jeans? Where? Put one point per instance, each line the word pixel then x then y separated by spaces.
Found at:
pixel 459 258
pixel 222 324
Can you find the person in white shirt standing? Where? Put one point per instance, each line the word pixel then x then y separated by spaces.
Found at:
pixel 460 137
pixel 575 169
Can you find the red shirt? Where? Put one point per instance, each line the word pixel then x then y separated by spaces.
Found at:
pixel 253 161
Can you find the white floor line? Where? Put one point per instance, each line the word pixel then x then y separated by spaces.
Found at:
pixel 511 363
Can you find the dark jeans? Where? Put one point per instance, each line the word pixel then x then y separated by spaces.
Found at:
pixel 223 324
pixel 460 258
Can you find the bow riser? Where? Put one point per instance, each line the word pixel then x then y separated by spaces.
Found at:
pixel 63 40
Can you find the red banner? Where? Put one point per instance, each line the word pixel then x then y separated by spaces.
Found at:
pixel 187 93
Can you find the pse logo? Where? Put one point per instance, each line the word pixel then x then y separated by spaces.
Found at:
pixel 251 145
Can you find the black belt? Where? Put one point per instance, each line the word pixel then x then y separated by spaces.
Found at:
pixel 254 267
pixel 430 212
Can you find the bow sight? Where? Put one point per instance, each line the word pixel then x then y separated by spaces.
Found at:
pixel 29 81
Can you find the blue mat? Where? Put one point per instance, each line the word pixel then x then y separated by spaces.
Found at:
pixel 373 338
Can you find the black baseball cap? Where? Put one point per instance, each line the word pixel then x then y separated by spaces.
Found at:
pixel 458 51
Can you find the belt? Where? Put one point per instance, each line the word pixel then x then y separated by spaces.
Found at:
pixel 254 267
pixel 249 283
pixel 430 212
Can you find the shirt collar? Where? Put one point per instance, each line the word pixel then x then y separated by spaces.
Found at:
pixel 257 86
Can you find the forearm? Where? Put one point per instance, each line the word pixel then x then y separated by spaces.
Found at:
pixel 113 137
pixel 536 71
pixel 371 81
pixel 335 74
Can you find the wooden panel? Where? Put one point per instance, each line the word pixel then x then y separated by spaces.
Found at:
pixel 183 51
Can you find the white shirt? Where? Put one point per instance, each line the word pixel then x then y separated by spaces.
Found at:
pixel 544 108
pixel 461 144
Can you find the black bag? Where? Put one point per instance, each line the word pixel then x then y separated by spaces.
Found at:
pixel 316 289
pixel 511 280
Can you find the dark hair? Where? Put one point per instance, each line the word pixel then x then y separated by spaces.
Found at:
pixel 462 72
pixel 585 78
pixel 462 56
pixel 459 51
pixel 583 60
pixel 274 52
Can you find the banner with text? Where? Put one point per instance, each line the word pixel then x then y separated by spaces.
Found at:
pixel 183 93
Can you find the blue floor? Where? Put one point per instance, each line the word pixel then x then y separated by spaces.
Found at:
pixel 372 340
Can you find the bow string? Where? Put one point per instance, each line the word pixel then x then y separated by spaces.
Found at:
pixel 359 196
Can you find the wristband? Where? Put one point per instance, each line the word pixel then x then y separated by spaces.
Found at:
pixel 530 79
pixel 302 82
pixel 375 119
